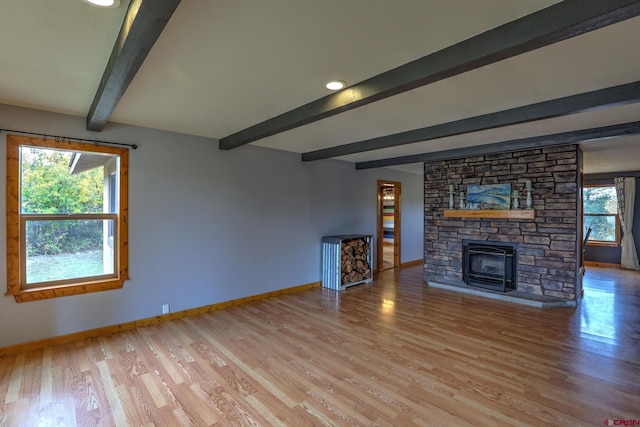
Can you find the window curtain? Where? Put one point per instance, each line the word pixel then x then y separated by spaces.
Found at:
pixel 626 192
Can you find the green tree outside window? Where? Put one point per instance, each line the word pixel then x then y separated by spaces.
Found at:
pixel 600 212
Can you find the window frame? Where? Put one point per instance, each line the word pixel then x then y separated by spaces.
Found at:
pixel 592 242
pixel 16 258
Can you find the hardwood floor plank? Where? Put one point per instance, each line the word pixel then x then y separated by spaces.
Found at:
pixel 15 381
pixel 267 414
pixel 154 390
pixel 389 353
pixel 183 419
pixel 193 403
pixel 113 397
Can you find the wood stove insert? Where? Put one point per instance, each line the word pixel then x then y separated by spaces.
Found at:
pixel 490 265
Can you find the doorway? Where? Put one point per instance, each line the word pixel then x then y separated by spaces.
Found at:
pixel 388 241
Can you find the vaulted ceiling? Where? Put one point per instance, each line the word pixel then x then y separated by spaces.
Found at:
pixel 427 78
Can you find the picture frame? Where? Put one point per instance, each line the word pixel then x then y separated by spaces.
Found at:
pixel 490 196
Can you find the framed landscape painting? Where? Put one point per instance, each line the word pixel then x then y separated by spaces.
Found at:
pixel 493 196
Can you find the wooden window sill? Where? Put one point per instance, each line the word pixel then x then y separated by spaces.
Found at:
pixel 604 244
pixel 36 294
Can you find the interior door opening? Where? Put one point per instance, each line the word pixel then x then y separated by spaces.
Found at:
pixel 388 239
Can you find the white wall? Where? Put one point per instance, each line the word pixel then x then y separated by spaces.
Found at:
pixel 207 225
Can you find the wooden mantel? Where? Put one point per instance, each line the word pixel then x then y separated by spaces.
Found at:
pixel 489 213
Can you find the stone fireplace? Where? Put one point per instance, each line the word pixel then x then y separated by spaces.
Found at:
pixel 548 243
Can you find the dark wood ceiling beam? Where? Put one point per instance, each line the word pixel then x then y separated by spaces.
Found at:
pixel 142 25
pixel 558 22
pixel 603 98
pixel 564 138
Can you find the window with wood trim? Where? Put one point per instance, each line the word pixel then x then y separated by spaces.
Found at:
pixel 600 212
pixel 66 218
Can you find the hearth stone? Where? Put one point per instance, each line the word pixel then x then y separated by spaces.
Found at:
pixel 518 297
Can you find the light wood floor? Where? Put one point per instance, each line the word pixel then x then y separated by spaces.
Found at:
pixel 387 256
pixel 393 352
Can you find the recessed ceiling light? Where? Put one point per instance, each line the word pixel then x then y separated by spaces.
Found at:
pixel 335 85
pixel 107 4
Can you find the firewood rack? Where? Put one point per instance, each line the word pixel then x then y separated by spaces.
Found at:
pixel 346 260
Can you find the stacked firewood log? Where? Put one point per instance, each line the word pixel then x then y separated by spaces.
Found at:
pixel 355 261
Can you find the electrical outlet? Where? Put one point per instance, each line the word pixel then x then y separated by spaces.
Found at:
pixel 165 308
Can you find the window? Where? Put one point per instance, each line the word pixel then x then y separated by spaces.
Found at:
pixel 600 212
pixel 66 218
